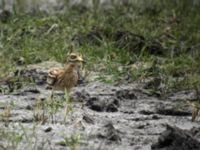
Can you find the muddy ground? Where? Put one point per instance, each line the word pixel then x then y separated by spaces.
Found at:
pixel 99 116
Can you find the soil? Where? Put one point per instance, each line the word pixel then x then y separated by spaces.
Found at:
pixel 99 116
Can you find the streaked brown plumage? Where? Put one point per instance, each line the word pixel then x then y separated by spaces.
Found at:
pixel 67 77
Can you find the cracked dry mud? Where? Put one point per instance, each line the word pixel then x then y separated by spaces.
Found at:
pixel 100 116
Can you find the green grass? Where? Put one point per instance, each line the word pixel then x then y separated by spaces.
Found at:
pixel 45 110
pixel 173 25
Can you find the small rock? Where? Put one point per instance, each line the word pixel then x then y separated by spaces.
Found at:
pixel 48 129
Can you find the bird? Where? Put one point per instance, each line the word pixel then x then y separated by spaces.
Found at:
pixel 64 79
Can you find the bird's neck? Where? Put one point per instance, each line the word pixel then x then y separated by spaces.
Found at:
pixel 69 67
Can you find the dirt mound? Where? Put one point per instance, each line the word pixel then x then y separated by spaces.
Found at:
pixel 176 139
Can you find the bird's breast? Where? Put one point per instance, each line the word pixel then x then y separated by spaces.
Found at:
pixel 66 80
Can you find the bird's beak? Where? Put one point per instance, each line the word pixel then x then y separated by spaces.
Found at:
pixel 80 59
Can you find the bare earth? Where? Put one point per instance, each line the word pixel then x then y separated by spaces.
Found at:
pixel 100 116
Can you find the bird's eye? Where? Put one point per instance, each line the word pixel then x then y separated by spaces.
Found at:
pixel 73 57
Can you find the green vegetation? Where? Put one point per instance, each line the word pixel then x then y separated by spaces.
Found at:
pixel 71 141
pixel 45 109
pixel 163 35
pixel 12 138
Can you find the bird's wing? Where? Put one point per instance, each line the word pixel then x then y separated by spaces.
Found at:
pixel 53 75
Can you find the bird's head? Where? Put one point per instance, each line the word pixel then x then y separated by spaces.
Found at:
pixel 73 57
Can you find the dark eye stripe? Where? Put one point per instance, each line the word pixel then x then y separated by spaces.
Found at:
pixel 73 57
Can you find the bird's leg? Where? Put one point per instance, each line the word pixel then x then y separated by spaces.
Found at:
pixel 52 103
pixel 52 100
pixel 52 94
pixel 68 106
pixel 66 94
pixel 52 119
